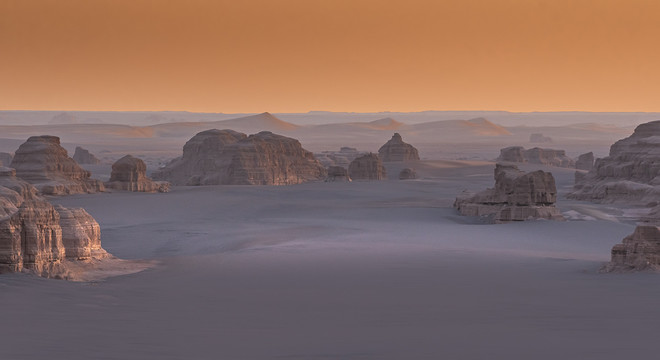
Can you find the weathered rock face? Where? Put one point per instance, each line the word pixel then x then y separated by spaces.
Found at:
pixel 83 156
pixel 585 161
pixel 396 150
pixel 38 237
pixel 337 174
pixel 228 157
pixel 638 251
pixel 5 159
pixel 517 196
pixel 539 138
pixel 631 172
pixel 407 174
pixel 130 174
pixel 42 162
pixel 536 155
pixel 367 167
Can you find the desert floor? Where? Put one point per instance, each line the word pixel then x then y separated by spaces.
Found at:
pixel 361 270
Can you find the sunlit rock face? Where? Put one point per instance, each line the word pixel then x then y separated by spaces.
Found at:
pixel 37 237
pixel 227 157
pixel 536 155
pixel 638 251
pixel 517 196
pixel 42 162
pixel 5 159
pixel 585 161
pixel 337 174
pixel 397 150
pixel 367 167
pixel 130 174
pixel 407 174
pixel 631 172
pixel 83 156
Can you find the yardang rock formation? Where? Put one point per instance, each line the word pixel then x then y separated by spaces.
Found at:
pixel 517 196
pixel 397 150
pixel 536 156
pixel 638 251
pixel 130 174
pixel 367 167
pixel 83 156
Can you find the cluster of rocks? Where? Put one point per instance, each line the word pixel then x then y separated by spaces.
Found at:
pixel 130 174
pixel 517 196
pixel 41 238
pixel 397 150
pixel 227 157
pixel 552 157
pixel 367 167
pixel 83 156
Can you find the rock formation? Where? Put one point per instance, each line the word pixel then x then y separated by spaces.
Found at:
pixel 42 162
pixel 342 158
pixel 228 157
pixel 5 159
pixel 130 174
pixel 585 161
pixel 517 196
pixel 396 150
pixel 337 174
pixel 539 138
pixel 83 156
pixel 638 251
pixel 536 156
pixel 35 236
pixel 407 174
pixel 631 172
pixel 367 167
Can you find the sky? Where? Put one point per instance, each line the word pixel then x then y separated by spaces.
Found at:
pixel 251 56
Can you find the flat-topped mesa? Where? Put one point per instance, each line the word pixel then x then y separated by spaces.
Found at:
pixel 337 174
pixel 367 167
pixel 536 155
pixel 42 162
pixel 5 159
pixel 631 172
pixel 638 251
pixel 517 196
pixel 130 174
pixel 83 156
pixel 397 150
pixel 38 237
pixel 227 157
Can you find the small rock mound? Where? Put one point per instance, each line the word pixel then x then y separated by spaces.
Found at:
pixel 337 174
pixel 397 150
pixel 367 167
pixel 42 162
pixel 130 174
pixel 638 251
pixel 407 174
pixel 227 157
pixel 83 156
pixel 536 155
pixel 517 196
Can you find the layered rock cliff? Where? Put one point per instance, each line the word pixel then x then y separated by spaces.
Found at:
pixel 42 162
pixel 397 150
pixel 83 156
pixel 130 174
pixel 517 196
pixel 367 167
pixel 638 251
pixel 228 157
pixel 536 155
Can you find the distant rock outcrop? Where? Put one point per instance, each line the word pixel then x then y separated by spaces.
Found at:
pixel 536 156
pixel 517 196
pixel 367 167
pixel 40 238
pixel 228 157
pixel 638 251
pixel 585 161
pixel 337 174
pixel 42 162
pixel 631 172
pixel 342 158
pixel 539 138
pixel 83 156
pixel 407 174
pixel 5 159
pixel 397 150
pixel 130 174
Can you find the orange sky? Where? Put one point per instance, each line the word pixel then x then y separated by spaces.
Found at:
pixel 339 55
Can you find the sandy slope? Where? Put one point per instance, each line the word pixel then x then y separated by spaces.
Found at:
pixel 362 270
